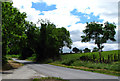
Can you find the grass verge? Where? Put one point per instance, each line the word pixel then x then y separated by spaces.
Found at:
pixel 11 65
pixel 103 71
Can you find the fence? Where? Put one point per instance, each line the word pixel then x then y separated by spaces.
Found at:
pixel 109 59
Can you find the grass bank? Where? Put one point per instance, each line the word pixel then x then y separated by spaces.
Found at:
pixel 75 61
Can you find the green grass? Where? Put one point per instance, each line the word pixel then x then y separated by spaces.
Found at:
pixel 73 61
pixel 113 66
pixel 32 58
pixel 90 55
pixel 91 69
pixel 12 56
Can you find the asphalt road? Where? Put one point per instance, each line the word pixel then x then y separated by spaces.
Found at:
pixel 65 73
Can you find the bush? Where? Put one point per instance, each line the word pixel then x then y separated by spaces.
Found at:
pixel 33 58
pixel 67 62
pixel 48 61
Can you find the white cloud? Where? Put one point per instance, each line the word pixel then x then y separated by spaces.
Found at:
pixel 106 9
pixel 82 46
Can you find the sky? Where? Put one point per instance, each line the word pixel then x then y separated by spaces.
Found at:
pixel 73 15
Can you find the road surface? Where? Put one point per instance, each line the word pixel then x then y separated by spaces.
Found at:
pixel 65 73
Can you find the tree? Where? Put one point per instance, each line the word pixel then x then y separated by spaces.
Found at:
pixel 95 49
pixel 12 27
pixel 100 33
pixel 28 45
pixel 63 38
pixel 51 40
pixel 80 51
pixel 76 50
pixel 86 50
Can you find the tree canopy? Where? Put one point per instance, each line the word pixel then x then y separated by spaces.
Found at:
pixel 12 27
pixel 52 40
pixel 95 49
pixel 86 50
pixel 75 49
pixel 99 33
pixel 25 38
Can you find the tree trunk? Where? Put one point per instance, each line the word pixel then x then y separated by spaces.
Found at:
pixel 61 50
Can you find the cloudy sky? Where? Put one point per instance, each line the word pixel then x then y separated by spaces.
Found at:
pixel 73 15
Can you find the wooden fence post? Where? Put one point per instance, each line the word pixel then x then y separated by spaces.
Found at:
pixel 93 57
pixel 108 58
pixel 115 57
pixel 118 56
pixel 111 58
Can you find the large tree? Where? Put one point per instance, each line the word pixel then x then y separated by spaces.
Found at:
pixel 100 33
pixel 12 27
pixel 51 40
pixel 63 38
pixel 29 44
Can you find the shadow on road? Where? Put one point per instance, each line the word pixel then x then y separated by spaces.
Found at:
pixel 5 72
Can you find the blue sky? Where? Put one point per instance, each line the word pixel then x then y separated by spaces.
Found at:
pixel 86 17
pixel 73 15
pixel 43 6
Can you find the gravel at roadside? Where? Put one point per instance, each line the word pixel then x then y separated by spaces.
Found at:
pixel 21 73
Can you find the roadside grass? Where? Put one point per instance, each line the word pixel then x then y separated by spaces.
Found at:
pixel 103 71
pixel 11 65
pixel 74 61
pixel 49 79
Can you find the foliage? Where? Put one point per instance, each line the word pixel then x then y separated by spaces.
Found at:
pixel 95 49
pixel 76 50
pixel 25 38
pixel 29 44
pixel 100 33
pixel 12 28
pixel 80 51
pixel 32 58
pixel 51 41
pixel 86 50
pixel 12 56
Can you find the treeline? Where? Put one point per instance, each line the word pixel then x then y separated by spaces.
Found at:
pixel 85 50
pixel 25 38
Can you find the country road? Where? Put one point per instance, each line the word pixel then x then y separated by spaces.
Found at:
pixel 65 73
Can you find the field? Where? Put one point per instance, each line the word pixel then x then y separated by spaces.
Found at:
pixel 90 55
pixel 85 61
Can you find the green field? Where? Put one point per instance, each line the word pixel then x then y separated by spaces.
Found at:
pixel 74 61
pixel 90 55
